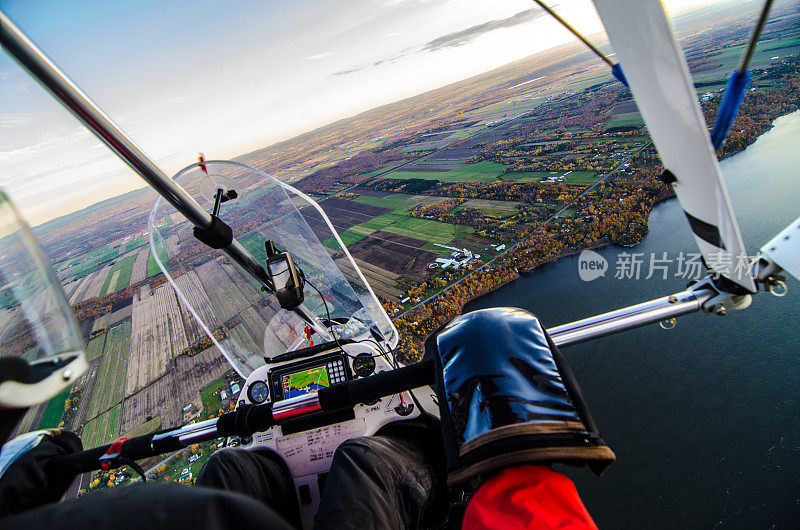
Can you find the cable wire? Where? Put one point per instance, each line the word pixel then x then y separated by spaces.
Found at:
pixel 751 46
pixel 576 33
pixel 330 321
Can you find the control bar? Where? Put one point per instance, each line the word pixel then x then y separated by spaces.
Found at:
pixel 249 419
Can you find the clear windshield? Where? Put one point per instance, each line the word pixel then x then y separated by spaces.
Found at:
pixel 36 322
pixel 230 309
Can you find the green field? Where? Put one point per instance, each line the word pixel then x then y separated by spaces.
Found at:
pixel 348 238
pixel 398 201
pixel 134 243
pixel 119 277
pixel 581 177
pixel 627 116
pixel 95 346
pixel 209 395
pixel 531 176
pixel 54 410
pixel 735 52
pixel 428 230
pixel 581 84
pixel 244 338
pixel 481 172
pixel 571 177
pixel 254 243
pixel 110 379
pixel 152 266
pixel 405 225
pixel 377 223
pixel 86 263
pixel 624 120
pixel 102 429
pixel 145 428
pixel 501 208
pixel 464 133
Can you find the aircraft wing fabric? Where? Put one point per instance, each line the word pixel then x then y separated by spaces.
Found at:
pixel 642 37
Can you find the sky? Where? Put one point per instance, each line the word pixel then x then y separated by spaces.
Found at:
pixel 225 78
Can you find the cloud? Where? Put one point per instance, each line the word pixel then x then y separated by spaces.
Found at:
pixel 10 120
pixel 318 56
pixel 351 70
pixel 387 59
pixel 465 36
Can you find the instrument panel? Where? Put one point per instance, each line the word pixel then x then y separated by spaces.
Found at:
pixel 307 444
pixel 303 377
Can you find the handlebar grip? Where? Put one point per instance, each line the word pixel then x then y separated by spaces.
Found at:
pixel 377 386
pixel 90 459
pixel 248 419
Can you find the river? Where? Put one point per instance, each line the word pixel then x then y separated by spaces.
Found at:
pixel 704 418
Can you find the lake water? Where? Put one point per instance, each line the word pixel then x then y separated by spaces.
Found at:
pixel 704 418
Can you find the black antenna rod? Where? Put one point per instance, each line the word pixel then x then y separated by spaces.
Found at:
pixel 575 32
pixel 751 46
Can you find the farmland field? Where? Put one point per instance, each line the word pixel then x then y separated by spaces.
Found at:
pixel 348 238
pixel 110 380
pixel 134 243
pixel 627 116
pixel 377 223
pixel 140 265
pixel 99 278
pixel 624 120
pixel 209 395
pixel 428 230
pixel 571 177
pixel 158 335
pixel 152 266
pixel 95 346
pixel 343 214
pixel 86 263
pixel 531 176
pixel 145 428
pixel 192 289
pixel 119 277
pixel 383 282
pixel 397 254
pixel 480 172
pixel 102 429
pixel 398 201
pixel 490 205
pixel 581 177
pixel 54 410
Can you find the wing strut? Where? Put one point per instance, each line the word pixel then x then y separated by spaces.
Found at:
pixel 665 95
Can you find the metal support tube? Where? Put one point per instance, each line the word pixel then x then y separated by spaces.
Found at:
pixel 635 316
pixel 61 87
pixel 191 431
pixel 296 406
pixel 52 79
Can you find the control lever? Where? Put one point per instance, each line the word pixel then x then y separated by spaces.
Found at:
pixel 249 419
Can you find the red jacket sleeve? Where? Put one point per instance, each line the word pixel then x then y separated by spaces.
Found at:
pixel 527 497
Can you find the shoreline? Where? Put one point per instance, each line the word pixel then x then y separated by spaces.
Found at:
pixel 522 272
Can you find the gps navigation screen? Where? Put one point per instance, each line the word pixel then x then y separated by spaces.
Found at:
pixel 305 381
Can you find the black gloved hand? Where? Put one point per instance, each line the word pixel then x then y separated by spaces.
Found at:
pixel 26 480
pixel 508 397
